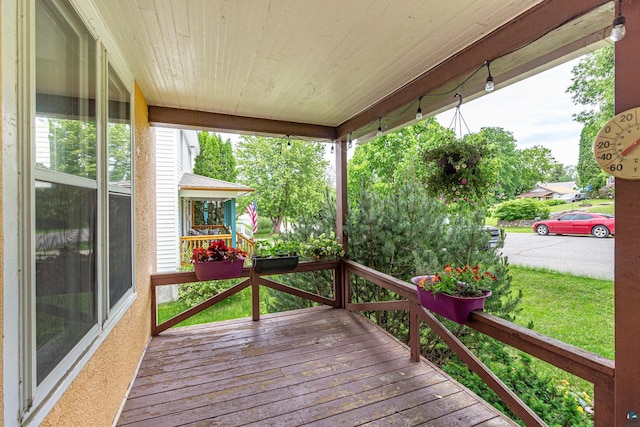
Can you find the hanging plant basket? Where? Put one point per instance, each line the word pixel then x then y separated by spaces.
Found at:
pixel 216 270
pixel 457 169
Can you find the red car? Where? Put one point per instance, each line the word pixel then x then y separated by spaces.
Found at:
pixel 598 224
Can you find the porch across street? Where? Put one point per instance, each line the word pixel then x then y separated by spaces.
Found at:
pixel 318 366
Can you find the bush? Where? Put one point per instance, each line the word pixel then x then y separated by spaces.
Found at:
pixel 264 224
pixel 513 210
pixel 556 404
pixel 197 292
pixel 554 202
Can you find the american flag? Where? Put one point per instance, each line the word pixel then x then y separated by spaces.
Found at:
pixel 252 210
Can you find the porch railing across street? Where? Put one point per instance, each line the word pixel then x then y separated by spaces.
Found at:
pixel 189 243
pixel 589 366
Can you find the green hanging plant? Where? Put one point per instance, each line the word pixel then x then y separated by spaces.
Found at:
pixel 459 170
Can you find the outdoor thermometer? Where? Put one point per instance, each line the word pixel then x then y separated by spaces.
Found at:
pixel 617 146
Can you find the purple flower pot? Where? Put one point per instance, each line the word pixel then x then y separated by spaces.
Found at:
pixel 452 307
pixel 216 270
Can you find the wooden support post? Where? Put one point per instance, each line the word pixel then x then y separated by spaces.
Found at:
pixel 341 194
pixel 414 331
pixel 603 407
pixel 255 297
pixel 627 246
pixel 154 310
pixel 338 286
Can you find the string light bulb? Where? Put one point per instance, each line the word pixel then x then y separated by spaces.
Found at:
pixel 288 141
pixel 379 132
pixel 350 141
pixel 419 112
pixel 489 86
pixel 618 29
pixel 332 147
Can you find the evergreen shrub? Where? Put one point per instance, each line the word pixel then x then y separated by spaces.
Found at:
pixel 513 210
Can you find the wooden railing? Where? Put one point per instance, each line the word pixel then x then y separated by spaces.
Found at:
pixel 246 244
pixel 589 366
pixel 252 279
pixel 189 243
pixel 222 228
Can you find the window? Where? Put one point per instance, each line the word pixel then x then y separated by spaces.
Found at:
pixel 81 198
pixel 66 194
pixel 119 178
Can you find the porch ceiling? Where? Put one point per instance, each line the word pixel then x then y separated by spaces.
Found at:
pixel 327 68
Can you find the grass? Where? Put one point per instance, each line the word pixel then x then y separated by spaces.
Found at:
pixel 576 310
pixel 573 309
pixel 237 306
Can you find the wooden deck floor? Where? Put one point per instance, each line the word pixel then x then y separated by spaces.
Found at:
pixel 320 366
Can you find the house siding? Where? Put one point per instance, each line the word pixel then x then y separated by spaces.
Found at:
pixel 167 198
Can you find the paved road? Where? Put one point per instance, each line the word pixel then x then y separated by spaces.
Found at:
pixel 580 255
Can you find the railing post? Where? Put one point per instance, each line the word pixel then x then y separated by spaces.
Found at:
pixel 346 297
pixel 154 310
pixel 603 407
pixel 255 297
pixel 414 331
pixel 338 285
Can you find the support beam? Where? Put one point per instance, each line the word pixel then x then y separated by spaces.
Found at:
pixel 202 120
pixel 627 248
pixel 341 194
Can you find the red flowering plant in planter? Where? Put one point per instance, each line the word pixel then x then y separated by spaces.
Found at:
pixel 218 261
pixel 465 282
pixel 455 291
pixel 217 251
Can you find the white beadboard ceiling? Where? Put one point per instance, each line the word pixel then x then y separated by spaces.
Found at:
pixel 308 61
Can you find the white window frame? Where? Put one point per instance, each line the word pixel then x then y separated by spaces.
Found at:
pixel 36 401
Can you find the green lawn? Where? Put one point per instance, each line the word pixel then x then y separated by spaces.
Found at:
pixel 576 310
pixel 573 309
pixel 591 205
pixel 237 306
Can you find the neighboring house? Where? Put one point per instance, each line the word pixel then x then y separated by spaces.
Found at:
pixel 176 190
pixel 551 190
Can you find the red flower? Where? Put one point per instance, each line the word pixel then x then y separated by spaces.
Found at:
pixel 217 251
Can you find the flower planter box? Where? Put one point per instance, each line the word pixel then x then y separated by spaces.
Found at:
pixel 452 307
pixel 273 264
pixel 216 270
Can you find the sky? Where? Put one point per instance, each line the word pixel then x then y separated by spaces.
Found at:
pixel 537 110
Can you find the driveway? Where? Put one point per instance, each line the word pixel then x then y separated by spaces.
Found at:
pixel 579 255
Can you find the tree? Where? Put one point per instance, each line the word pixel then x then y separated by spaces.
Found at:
pixel 216 161
pixel 216 158
pixel 593 86
pixel 378 162
pixel 508 163
pixel 119 152
pixel 562 173
pixel 72 145
pixel 288 176
pixel 537 165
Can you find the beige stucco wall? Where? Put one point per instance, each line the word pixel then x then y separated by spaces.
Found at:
pixel 97 393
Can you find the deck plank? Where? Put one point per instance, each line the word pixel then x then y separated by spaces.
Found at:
pixel 320 367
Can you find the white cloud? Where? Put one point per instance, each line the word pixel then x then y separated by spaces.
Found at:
pixel 538 111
